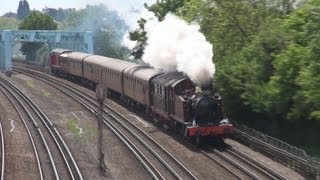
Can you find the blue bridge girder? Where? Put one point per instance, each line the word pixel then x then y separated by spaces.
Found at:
pixel 76 41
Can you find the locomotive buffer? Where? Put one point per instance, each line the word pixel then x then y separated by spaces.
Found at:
pixel 101 93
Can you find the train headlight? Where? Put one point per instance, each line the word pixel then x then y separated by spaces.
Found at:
pixel 225 121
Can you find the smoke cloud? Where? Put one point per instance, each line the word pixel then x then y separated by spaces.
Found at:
pixel 175 45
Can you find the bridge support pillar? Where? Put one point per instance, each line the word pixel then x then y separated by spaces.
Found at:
pixel 5 55
pixel 88 41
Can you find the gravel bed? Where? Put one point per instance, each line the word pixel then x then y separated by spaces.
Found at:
pixel 78 127
pixel 20 161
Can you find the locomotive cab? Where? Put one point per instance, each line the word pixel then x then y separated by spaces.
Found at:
pixel 55 59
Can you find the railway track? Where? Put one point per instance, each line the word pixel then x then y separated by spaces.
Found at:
pixel 159 163
pixel 27 113
pixel 2 153
pixel 241 165
pixel 263 169
pixel 57 153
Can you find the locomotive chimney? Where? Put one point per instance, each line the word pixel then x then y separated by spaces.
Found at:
pixel 206 87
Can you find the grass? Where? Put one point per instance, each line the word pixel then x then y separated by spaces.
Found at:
pixel 89 131
pixel 72 126
pixel 30 84
pixel 45 93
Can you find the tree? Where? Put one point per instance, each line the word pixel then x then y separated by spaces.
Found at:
pixel 297 67
pixel 23 9
pixel 107 27
pixel 139 35
pixel 162 7
pixel 35 21
pixel 58 14
pixel 8 23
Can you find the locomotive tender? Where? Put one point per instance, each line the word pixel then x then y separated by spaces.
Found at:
pixel 170 98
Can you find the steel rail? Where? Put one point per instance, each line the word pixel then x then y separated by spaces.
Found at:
pixel 2 152
pixel 64 151
pixel 259 166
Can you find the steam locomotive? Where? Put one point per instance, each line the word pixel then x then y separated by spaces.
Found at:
pixel 171 99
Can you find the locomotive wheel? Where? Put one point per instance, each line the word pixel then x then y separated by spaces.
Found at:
pixel 197 139
pixel 165 126
pixel 177 128
pixel 157 121
pixel 220 141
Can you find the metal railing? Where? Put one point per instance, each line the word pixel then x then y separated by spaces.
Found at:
pixel 294 157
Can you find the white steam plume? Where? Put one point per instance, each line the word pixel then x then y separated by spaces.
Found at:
pixel 133 25
pixel 175 45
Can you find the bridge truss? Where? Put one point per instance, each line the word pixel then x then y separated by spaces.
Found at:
pixel 76 41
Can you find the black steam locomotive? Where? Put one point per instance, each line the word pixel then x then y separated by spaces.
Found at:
pixel 171 99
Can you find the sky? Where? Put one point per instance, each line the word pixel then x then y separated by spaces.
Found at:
pixel 123 6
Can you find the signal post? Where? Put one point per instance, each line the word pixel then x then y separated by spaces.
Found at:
pixel 101 93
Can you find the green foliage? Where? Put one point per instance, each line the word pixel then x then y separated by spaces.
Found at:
pixel 58 14
pixel 257 67
pixel 107 27
pixel 107 46
pixel 74 129
pixel 35 21
pixel 192 10
pixel 283 82
pixel 229 24
pixel 162 7
pixel 8 23
pixel 38 21
pixel 139 35
pixel 297 68
pixel 274 71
